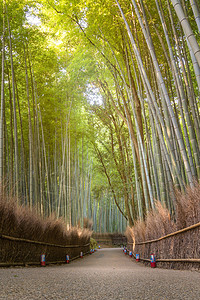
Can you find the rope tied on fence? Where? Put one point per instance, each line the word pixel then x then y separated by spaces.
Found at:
pixel 186 260
pixel 168 235
pixel 21 240
pixel 6 237
pixel 170 260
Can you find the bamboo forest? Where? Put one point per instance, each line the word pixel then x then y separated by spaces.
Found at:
pixel 100 100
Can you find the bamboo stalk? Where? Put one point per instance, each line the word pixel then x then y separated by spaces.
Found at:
pixel 2 100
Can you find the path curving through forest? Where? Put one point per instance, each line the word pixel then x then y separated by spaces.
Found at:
pixel 107 274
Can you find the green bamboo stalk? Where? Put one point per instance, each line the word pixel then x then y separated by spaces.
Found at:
pixel 2 102
pixel 187 29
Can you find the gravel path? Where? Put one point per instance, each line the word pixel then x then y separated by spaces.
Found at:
pixel 107 274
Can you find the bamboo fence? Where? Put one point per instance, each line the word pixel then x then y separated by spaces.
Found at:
pixel 43 244
pixel 181 260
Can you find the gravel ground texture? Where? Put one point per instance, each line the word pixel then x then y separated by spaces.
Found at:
pixel 106 274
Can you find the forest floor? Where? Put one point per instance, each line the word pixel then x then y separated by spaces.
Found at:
pixel 106 274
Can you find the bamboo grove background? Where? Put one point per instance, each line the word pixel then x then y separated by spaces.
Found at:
pixel 99 107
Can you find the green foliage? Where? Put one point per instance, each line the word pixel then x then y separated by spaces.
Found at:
pixel 93 243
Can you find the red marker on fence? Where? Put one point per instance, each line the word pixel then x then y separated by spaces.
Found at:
pixel 67 259
pixel 153 260
pixel 42 260
pixel 81 255
pixel 137 256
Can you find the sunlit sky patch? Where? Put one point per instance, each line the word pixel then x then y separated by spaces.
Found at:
pixel 31 17
pixel 93 95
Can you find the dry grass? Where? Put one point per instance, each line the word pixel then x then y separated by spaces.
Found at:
pixel 129 234
pixel 20 222
pixel 159 223
pixel 87 223
pixel 188 207
pixel 130 238
pixel 23 223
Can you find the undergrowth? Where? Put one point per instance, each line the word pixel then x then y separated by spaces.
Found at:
pixel 93 243
pixel 21 222
pixel 159 223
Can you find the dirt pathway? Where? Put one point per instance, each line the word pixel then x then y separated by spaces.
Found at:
pixel 107 274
